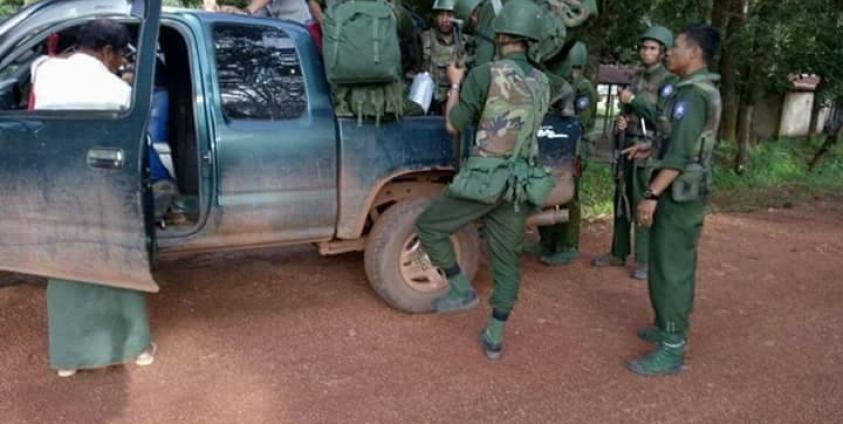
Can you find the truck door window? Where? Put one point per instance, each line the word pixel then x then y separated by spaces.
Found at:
pixel 258 73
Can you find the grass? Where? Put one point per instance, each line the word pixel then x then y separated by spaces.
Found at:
pixel 776 176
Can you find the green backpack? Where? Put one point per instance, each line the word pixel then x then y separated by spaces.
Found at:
pixel 361 43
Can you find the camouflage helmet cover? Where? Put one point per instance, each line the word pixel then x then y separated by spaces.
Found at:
pixel 464 8
pixel 660 34
pixel 520 18
pixel 444 5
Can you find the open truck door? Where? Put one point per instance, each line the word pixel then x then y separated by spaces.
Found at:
pixel 75 197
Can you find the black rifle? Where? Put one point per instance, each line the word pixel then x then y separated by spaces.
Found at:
pixel 619 171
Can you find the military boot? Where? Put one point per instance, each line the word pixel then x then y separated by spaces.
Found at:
pixel 640 272
pixel 535 250
pixel 667 359
pixel 460 297
pixel 608 260
pixel 650 333
pixel 491 338
pixel 564 257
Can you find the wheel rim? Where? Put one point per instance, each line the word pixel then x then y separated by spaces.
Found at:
pixel 417 270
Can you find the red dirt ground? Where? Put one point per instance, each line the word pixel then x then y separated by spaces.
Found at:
pixel 287 336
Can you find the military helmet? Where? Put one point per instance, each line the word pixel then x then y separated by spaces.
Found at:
pixel 660 34
pixel 444 5
pixel 578 56
pixel 521 18
pixel 464 8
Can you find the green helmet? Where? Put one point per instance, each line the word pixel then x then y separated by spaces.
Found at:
pixel 521 18
pixel 578 56
pixel 660 34
pixel 444 5
pixel 464 8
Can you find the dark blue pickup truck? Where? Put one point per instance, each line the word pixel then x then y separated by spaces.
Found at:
pixel 258 156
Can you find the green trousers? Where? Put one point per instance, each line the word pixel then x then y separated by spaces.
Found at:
pixel 674 239
pixel 504 232
pixel 94 326
pixel 564 236
pixel 635 184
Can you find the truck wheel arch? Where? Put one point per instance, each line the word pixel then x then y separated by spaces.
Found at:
pixel 394 188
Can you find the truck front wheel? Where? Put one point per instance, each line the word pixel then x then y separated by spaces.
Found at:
pixel 399 269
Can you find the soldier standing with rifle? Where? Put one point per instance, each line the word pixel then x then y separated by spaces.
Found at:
pixel 637 125
pixel 507 99
pixel 674 202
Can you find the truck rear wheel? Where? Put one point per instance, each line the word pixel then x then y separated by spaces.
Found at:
pixel 399 269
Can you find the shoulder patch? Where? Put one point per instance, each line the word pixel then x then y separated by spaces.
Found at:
pixel 583 102
pixel 667 90
pixel 679 110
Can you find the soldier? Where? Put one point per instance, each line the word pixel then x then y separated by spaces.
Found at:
pixel 507 99
pixel 440 47
pixel 560 243
pixel 478 16
pixel 638 120
pixel 674 201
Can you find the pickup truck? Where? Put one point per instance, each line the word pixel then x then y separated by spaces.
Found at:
pixel 258 155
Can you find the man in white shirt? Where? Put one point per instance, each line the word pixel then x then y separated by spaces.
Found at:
pixel 87 79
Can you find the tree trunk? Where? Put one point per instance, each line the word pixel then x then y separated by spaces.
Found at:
pixel 815 116
pixel 734 21
pixel 832 139
pixel 747 113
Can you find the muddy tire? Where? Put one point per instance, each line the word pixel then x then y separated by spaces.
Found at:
pixel 399 269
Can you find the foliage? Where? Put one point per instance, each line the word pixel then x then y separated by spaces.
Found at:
pixel 777 176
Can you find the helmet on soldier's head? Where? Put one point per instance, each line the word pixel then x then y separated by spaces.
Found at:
pixel 578 56
pixel 520 18
pixel 464 8
pixel 443 5
pixel 660 34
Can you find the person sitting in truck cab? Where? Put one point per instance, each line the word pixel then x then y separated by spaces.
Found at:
pixel 87 80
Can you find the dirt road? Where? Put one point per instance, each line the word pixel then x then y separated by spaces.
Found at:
pixel 287 336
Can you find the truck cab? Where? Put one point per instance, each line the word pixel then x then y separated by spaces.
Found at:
pixel 252 142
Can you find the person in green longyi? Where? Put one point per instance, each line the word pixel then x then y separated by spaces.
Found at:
pixel 90 325
pixel 673 205
pixel 507 99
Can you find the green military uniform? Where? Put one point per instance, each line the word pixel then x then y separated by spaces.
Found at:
pixel 92 326
pixel 560 243
pixel 438 51
pixel 508 99
pixel 689 122
pixel 482 46
pixel 650 87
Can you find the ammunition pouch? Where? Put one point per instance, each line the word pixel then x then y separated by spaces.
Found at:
pixel 482 179
pixel 691 184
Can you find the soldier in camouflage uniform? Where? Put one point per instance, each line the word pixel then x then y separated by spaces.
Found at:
pixel 478 17
pixel 673 204
pixel 560 243
pixel 507 99
pixel 638 120
pixel 441 48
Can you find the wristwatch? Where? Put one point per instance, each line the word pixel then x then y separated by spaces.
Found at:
pixel 649 195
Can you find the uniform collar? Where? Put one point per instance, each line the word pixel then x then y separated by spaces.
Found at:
pixel 656 70
pixel 444 38
pixel 520 56
pixel 701 71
